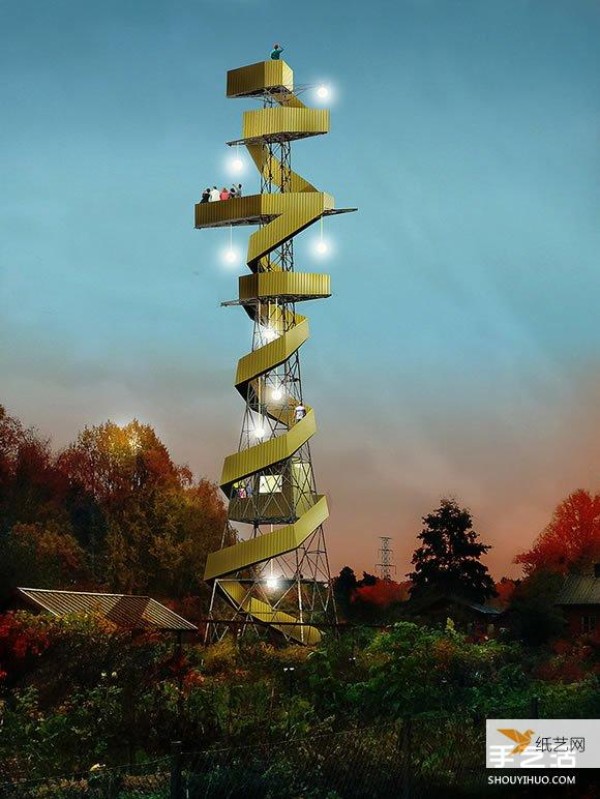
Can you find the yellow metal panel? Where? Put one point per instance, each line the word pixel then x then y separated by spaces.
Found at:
pixel 259 457
pixel 263 547
pixel 272 354
pixel 272 168
pixel 280 217
pixel 255 78
pixel 302 633
pixel 288 122
pixel 298 285
pixel 294 213
pixel 286 209
pixel 250 210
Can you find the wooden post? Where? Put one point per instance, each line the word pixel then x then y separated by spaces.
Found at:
pixel 176 792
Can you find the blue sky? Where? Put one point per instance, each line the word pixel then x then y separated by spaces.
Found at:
pixel 459 354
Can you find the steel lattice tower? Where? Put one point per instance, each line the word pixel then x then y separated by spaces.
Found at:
pixel 278 575
pixel 386 554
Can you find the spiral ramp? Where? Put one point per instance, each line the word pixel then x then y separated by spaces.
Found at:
pixel 271 482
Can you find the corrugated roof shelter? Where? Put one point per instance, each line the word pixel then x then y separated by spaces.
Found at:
pixel 124 610
pixel 579 589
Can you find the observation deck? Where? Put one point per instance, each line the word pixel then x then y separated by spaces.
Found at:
pixel 259 209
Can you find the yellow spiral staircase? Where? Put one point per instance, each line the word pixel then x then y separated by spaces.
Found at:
pixel 279 468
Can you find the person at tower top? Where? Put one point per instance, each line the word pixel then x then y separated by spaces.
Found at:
pixel 276 52
pixel 214 195
pixel 205 196
pixel 224 195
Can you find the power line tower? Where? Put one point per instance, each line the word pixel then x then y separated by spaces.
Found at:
pixel 278 573
pixel 386 567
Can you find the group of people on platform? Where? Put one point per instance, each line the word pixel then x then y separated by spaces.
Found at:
pixel 213 195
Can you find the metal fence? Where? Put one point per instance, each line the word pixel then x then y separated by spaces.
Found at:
pixel 408 760
pixel 150 780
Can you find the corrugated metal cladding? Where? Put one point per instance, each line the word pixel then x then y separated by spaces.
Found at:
pixel 309 285
pixel 296 212
pixel 248 210
pixel 298 207
pixel 124 610
pixel 268 166
pixel 255 550
pixel 270 355
pixel 262 611
pixel 248 553
pixel 253 459
pixel 253 78
pixel 291 122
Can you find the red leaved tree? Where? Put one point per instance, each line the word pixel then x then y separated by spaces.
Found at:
pixel 571 542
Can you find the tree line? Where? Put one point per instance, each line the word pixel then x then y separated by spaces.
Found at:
pixel 110 511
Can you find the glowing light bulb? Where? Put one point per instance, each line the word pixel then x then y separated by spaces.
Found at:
pixel 277 393
pixel 230 255
pixel 323 92
pixel 259 431
pixel 269 333
pixel 272 583
pixel 237 164
pixel 322 247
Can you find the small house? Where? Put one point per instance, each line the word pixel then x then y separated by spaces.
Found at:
pixel 579 599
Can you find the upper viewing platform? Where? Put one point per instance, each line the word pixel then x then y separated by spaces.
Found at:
pixel 264 77
pixel 285 118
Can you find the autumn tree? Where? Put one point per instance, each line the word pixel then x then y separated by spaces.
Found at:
pixel 571 541
pixel 147 524
pixel 449 558
pixel 33 517
pixel 111 511
pixel 32 488
pixel 44 556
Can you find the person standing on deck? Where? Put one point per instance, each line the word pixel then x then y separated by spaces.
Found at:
pixel 276 52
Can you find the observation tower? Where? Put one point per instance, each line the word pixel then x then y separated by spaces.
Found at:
pixel 279 574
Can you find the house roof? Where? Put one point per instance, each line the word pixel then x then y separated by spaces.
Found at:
pixel 579 589
pixel 124 610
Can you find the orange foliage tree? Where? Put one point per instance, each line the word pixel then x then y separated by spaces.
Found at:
pixel 155 525
pixel 382 593
pixel 571 542
pixel 111 511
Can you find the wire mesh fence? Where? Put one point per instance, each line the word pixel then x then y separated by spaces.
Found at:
pixel 406 760
pixel 150 780
pixel 411 759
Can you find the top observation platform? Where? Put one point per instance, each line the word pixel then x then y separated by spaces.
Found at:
pixel 285 117
pixel 263 78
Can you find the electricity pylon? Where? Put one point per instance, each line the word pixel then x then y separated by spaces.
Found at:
pixel 385 566
pixel 279 575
